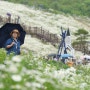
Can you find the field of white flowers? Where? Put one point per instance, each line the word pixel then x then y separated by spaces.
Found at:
pixel 27 72
pixel 31 72
pixel 49 21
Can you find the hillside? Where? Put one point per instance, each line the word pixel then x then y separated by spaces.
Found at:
pixel 73 7
pixel 30 70
pixel 49 21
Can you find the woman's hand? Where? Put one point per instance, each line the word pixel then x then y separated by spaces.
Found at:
pixel 12 43
pixel 9 46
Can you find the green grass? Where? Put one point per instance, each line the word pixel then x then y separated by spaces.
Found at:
pixel 2 55
pixel 27 72
pixel 73 7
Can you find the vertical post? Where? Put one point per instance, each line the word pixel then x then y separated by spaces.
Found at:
pixel 57 40
pixel 35 29
pixel 18 19
pixel 41 31
pixel 9 17
pixel 50 37
pixel 15 20
pixel 55 37
pixel 84 45
pixel 29 29
pixel 81 44
pixel 0 19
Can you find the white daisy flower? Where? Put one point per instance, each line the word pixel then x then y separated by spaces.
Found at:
pixel 16 78
pixel 16 59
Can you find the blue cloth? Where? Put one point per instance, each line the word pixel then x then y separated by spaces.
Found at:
pixel 15 48
pixel 66 55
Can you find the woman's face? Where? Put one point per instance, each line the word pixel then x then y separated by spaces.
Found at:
pixel 14 34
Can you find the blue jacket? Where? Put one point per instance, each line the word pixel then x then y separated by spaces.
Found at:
pixel 15 48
